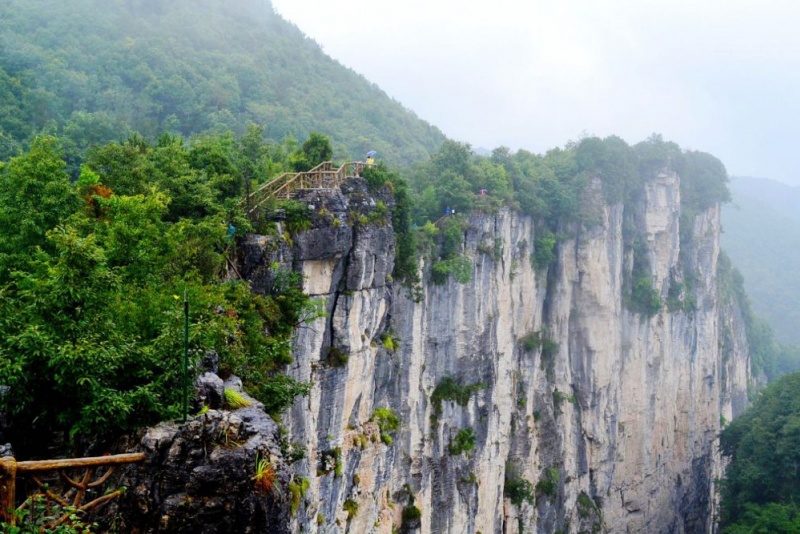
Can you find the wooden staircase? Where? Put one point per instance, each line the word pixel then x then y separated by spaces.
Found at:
pixel 323 176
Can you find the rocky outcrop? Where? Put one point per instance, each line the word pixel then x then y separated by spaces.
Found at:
pixel 203 476
pixel 528 400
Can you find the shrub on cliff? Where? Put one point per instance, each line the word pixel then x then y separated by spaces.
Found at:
pixel 640 295
pixel 405 260
pixel 543 250
pixel 388 423
pixel 464 441
pixel 449 389
pixel 516 488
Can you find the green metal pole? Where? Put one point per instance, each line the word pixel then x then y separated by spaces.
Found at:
pixel 185 357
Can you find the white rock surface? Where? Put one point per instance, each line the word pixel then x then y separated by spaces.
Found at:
pixel 626 411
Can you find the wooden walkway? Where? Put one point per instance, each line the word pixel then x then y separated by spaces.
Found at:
pixel 70 500
pixel 323 176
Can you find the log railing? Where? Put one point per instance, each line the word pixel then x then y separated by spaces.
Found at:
pixel 71 499
pixel 323 176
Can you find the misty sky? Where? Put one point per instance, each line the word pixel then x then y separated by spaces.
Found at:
pixel 716 75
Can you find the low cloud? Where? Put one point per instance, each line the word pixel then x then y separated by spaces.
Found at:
pixel 720 76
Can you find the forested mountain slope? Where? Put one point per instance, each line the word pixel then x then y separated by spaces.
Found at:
pixel 781 198
pixel 556 353
pixel 762 235
pixel 760 493
pixel 93 71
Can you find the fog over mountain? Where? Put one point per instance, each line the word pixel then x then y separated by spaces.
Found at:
pixel 94 72
pixel 761 232
pixel 715 76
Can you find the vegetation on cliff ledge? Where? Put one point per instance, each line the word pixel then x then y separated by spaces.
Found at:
pixel 563 190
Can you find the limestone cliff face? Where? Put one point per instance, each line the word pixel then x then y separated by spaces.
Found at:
pixel 609 415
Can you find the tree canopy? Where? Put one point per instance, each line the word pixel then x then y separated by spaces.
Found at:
pixel 761 489
pixel 552 188
pixel 94 273
pixel 94 71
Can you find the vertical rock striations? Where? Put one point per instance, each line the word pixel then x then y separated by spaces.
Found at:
pixel 528 400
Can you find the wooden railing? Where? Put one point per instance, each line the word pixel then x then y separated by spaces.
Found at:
pixel 323 176
pixel 71 499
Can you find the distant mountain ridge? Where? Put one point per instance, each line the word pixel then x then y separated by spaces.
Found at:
pixel 761 233
pixel 783 198
pixel 92 70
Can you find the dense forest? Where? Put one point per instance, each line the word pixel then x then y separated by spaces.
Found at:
pixel 94 71
pixel 93 273
pixel 761 489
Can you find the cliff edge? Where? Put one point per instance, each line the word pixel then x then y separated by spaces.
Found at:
pixel 524 399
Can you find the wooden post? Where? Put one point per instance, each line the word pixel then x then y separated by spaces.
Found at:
pixel 8 488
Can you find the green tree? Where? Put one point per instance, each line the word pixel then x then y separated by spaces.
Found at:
pixel 611 160
pixel 704 180
pixel 217 157
pixel 35 195
pixel 315 150
pixel 764 458
pixel 454 191
pixel 127 168
pixel 770 518
pixel 654 155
